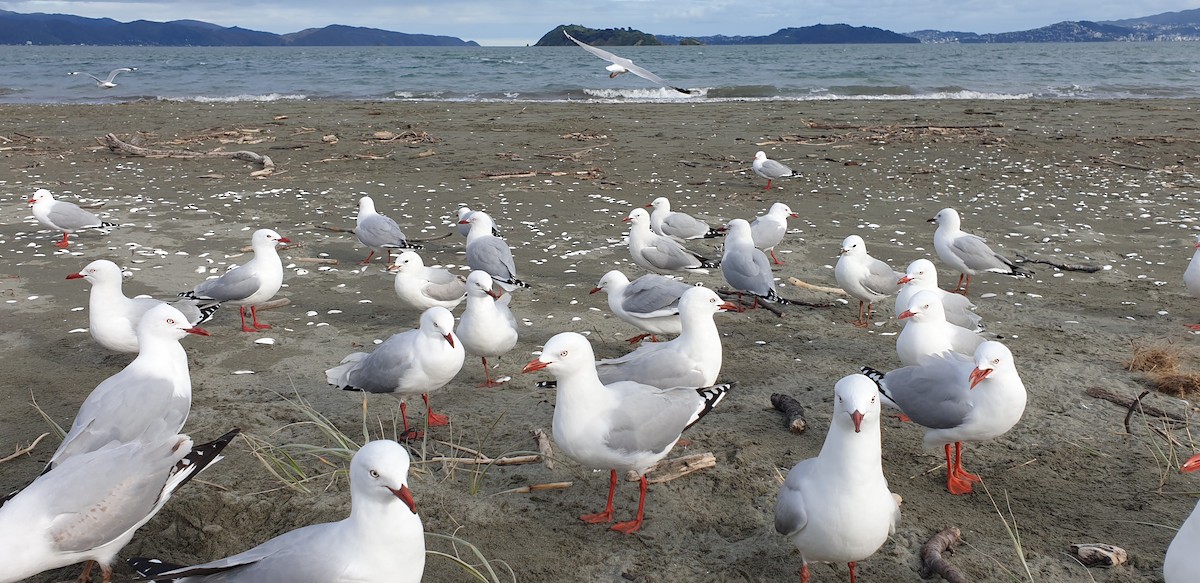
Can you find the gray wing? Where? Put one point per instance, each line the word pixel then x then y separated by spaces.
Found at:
pixel 380 231
pixel 628 64
pixel 646 366
pixel 123 409
pixel 666 254
pixel 379 371
pixel 935 393
pixel 238 283
pixel 113 74
pixel 278 559
pixel 684 226
pixel 748 270
pixel 791 515
pixel 960 311
pixel 977 255
pixel 68 216
pixel 445 292
pixel 881 279
pixel 772 169
pixel 492 255
pixel 653 295
pixel 650 420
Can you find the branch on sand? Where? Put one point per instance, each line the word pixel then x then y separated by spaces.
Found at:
pixel 24 450
pixel 115 144
pixel 1063 266
pixel 792 409
pixel 932 562
pixel 667 470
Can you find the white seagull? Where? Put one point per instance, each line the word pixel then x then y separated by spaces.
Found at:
pixel 768 230
pixel 676 225
pixel 107 82
pixel 1182 561
pixel 864 277
pixel 1191 277
pixel 487 326
pixel 248 284
pixel 424 287
pixel 378 232
pixel 658 253
pixel 922 275
pixel 770 169
pixel 745 268
pixel 927 332
pixel 416 361
pixel 966 253
pixel 622 426
pixel 464 223
pixel 62 215
pixel 622 65
pixel 650 302
pixel 113 318
pixel 382 541
pixel 958 398
pixel 837 507
pixel 487 252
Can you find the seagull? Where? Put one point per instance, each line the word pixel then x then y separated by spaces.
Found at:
pixel 768 230
pixel 836 507
pixel 678 226
pixel 1182 562
pixel 864 277
pixel 692 359
pixel 62 215
pixel 658 253
pixel 107 83
pixel 622 65
pixel 425 287
pixel 89 507
pixel 770 169
pixel 922 275
pixel 414 361
pixel 381 540
pixel 1191 277
pixel 650 302
pixel 248 284
pixel 147 399
pixel 379 232
pixel 958 398
pixel 487 327
pixel 744 267
pixel 967 253
pixel 490 253
pixel 113 318
pixel 927 332
pixel 622 426
pixel 464 223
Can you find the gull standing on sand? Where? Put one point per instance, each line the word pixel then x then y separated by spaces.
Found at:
pixel 487 326
pixel 966 253
pixel 410 362
pixel 148 399
pixel 382 541
pixel 658 253
pixel 1191 277
pixel 424 287
pixel 864 277
pixel 770 169
pixel 64 216
pixel 107 82
pixel 621 426
pixel 650 302
pixel 113 318
pixel 490 253
pixel 927 332
pixel 248 284
pixel 464 223
pixel 692 359
pixel 676 225
pixel 768 230
pixel 836 507
pixel 1182 562
pixel 922 275
pixel 744 267
pixel 958 398
pixel 89 507
pixel 622 65
pixel 378 232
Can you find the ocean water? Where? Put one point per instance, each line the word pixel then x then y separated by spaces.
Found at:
pixel 36 74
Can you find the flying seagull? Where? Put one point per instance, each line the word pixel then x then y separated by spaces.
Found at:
pixel 107 83
pixel 622 65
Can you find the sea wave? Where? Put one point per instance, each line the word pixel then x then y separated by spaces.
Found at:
pixel 237 98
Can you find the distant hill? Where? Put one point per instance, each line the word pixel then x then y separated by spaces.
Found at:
pixel 65 29
pixel 1168 26
pixel 806 35
pixel 611 37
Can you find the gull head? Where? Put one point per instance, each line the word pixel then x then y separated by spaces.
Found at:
pixel 990 357
pixel 439 320
pixel 855 402
pixel 379 471
pixel 563 352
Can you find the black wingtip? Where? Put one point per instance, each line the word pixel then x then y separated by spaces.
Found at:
pixel 207 312
pixel 872 374
pixel 547 384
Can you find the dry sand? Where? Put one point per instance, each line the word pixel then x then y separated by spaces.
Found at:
pixel 1087 182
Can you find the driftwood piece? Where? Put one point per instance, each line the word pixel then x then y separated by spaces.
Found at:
pixel 485 460
pixel 1063 266
pixel 24 450
pixel 805 285
pixel 667 470
pixel 1107 160
pixel 271 305
pixel 1130 403
pixel 537 488
pixel 1099 554
pixel 317 260
pixel 746 301
pixel 792 409
pixel 932 562
pixel 543 446
pixel 117 145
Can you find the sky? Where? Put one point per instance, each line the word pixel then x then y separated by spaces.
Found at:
pixel 520 22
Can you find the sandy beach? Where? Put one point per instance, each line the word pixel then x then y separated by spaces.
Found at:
pixel 1111 184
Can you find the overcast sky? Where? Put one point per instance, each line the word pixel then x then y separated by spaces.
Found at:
pixel 520 22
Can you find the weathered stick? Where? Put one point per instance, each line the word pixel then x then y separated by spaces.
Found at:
pixel 1063 266
pixel 117 145
pixel 932 562
pixel 1127 402
pixel 796 423
pixel 543 447
pixel 537 488
pixel 24 450
pixel 484 460
pixel 271 305
pixel 667 470
pixel 319 260
pixel 1121 164
pixel 728 294
pixel 820 288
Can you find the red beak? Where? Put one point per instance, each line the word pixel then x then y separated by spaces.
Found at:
pixel 284 240
pixel 450 339
pixel 495 294
pixel 904 280
pixel 1197 245
pixel 31 201
pixel 649 206
pixel 933 220
pixel 535 364
pixel 626 219
pixel 594 290
pixel 857 416
pixel 197 330
pixel 977 376
pixel 464 222
pixel 405 496
pixel 1192 464
pixel 728 307
pixel 906 314
pixel 75 276
pixel 794 216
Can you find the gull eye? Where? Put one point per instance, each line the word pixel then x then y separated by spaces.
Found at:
pixel 872 399
pixel 171 321
pixel 995 361
pixel 374 474
pixel 563 353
